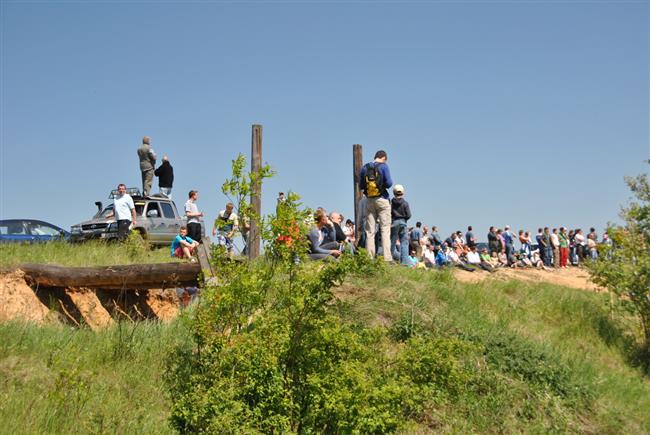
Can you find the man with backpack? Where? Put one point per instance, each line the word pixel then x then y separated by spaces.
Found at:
pixel 374 181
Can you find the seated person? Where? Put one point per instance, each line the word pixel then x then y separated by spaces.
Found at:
pixel 441 256
pixel 183 246
pixel 503 259
pixel 348 230
pixel 429 256
pixel 321 249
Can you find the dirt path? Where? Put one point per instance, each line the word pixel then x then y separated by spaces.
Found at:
pixel 573 277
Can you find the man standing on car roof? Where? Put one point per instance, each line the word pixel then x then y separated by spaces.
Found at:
pixel 165 174
pixel 124 211
pixel 147 164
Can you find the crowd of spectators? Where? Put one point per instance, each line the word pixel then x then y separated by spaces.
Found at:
pixel 421 247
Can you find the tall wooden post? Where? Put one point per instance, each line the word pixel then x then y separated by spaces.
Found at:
pixel 357 162
pixel 256 192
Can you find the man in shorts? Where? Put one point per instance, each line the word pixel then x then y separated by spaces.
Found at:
pixel 184 246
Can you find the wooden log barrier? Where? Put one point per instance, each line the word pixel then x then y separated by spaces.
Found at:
pixel 134 276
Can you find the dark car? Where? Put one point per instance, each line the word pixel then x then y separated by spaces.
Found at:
pixel 30 231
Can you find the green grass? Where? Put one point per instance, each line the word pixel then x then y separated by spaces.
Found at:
pixel 558 359
pixel 552 359
pixel 55 379
pixel 93 253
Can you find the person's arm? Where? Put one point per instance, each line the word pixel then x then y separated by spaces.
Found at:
pixel 388 181
pixel 157 171
pixel 407 210
pixel 362 179
pixel 171 172
pixel 132 207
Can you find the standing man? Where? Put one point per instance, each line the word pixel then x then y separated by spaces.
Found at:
pixel 555 245
pixel 147 164
pixel 194 217
pixel 548 249
pixel 165 174
pixel 226 225
pixel 124 211
pixel 470 240
pixel 374 180
pixel 434 238
pixel 509 240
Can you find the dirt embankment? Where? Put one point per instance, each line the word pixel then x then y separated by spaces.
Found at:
pixel 81 306
pixel 99 308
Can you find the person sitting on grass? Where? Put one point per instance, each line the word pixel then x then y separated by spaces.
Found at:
pixel 321 249
pixel 184 246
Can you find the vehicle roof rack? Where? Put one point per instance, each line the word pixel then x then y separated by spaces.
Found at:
pixel 133 191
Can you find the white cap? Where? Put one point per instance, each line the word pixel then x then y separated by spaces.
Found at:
pixel 398 189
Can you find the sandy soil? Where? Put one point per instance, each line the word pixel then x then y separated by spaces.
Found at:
pixel 573 277
pixel 90 308
pixel 18 300
pixel 164 303
pixel 78 305
pixel 85 306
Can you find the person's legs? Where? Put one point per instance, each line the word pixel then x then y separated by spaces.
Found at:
pixel 556 257
pixel 186 252
pixel 167 191
pixel 370 226
pixel 383 207
pixel 244 237
pixel 194 231
pixel 404 244
pixel 123 229
pixel 394 234
pixel 563 252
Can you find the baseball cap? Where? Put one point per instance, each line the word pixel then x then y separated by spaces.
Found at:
pixel 398 189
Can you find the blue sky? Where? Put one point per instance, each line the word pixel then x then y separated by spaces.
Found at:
pixel 492 113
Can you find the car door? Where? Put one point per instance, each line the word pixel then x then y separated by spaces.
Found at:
pixel 14 231
pixel 43 232
pixel 155 223
pixel 172 220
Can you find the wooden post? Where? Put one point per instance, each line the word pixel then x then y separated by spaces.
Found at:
pixel 256 192
pixel 357 162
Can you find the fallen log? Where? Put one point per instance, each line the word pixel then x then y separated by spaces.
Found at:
pixel 134 276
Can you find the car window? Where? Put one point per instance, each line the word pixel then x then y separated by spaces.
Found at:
pixel 12 228
pixel 168 210
pixel 43 230
pixel 139 208
pixel 108 211
pixel 153 206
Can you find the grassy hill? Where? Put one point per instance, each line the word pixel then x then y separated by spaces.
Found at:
pixel 543 359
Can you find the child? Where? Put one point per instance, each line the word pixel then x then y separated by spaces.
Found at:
pixel 183 246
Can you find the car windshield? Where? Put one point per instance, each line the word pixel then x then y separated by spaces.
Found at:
pixel 107 212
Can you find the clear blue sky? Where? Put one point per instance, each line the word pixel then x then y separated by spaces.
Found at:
pixel 492 113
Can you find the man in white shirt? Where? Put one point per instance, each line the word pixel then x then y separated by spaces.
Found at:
pixel 193 216
pixel 124 211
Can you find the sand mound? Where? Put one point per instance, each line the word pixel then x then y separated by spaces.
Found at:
pixel 90 308
pixel 164 303
pixel 18 300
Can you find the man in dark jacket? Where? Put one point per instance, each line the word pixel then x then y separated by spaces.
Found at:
pixel 165 174
pixel 400 214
